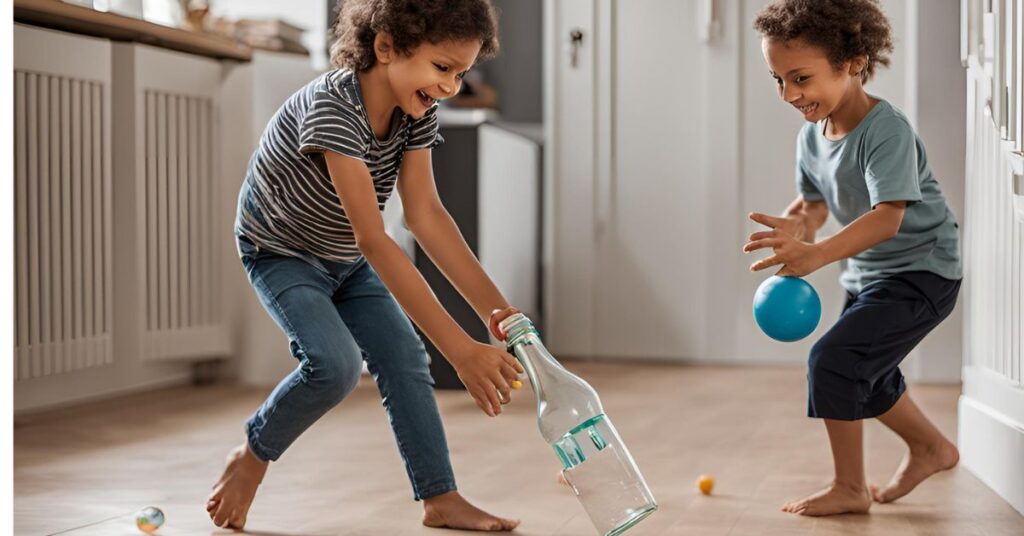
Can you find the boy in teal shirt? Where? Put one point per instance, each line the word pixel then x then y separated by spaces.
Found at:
pixel 859 158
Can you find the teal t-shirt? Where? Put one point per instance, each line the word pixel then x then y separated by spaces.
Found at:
pixel 881 160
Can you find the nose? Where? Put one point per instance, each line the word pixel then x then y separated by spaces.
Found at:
pixel 789 93
pixel 450 88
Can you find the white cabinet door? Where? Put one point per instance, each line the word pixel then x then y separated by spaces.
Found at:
pixel 571 123
pixel 644 173
pixel 655 221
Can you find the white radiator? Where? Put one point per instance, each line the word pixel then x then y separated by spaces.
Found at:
pixel 63 246
pixel 178 214
pixel 118 220
pixel 175 211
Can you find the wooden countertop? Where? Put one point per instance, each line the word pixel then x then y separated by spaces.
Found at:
pixel 72 18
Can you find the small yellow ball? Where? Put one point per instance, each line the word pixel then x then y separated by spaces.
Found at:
pixel 516 384
pixel 705 483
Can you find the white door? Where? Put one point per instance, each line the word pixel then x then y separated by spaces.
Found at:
pixel 643 124
pixel 656 222
pixel 571 128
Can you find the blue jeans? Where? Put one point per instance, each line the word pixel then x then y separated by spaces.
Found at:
pixel 337 315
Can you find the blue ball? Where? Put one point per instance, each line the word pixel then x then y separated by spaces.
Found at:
pixel 787 308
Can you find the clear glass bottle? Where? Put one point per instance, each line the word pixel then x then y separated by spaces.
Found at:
pixel 595 462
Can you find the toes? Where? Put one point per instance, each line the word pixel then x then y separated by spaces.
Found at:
pixel 220 518
pixel 212 504
pixel 233 521
pixel 876 493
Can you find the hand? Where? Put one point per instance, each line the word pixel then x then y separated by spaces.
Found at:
pixel 798 258
pixel 792 225
pixel 487 373
pixel 497 316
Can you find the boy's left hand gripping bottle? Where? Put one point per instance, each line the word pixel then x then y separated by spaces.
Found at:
pixel 596 463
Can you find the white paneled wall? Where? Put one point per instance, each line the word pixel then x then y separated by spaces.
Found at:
pixel 991 434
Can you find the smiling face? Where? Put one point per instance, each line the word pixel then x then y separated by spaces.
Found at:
pixel 806 78
pixel 429 73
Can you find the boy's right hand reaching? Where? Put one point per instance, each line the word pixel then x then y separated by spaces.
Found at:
pixel 487 373
pixel 793 225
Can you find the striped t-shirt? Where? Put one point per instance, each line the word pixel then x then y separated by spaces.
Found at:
pixel 288 204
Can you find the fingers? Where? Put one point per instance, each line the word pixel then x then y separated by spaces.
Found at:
pixel 482 401
pixel 497 316
pixel 508 374
pixel 761 235
pixel 765 263
pixel 514 363
pixel 764 219
pixel 494 400
pixel 786 270
pixel 764 243
pixel 504 391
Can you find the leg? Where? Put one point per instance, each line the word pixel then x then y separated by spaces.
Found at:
pixel 848 492
pixel 298 297
pixel 929 450
pixel 397 360
pixel 853 371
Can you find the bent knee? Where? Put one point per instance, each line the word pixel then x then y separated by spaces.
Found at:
pixel 336 375
pixel 828 358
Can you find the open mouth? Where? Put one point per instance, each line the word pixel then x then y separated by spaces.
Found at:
pixel 426 100
pixel 807 109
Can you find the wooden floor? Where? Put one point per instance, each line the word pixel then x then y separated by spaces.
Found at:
pixel 84 471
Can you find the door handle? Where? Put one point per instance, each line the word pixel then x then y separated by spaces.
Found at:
pixel 709 23
pixel 575 42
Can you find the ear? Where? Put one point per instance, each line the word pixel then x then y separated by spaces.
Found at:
pixel 857 66
pixel 383 47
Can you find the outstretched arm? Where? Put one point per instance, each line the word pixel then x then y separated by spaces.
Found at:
pixel 801 258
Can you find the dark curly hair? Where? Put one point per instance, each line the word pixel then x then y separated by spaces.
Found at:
pixel 844 29
pixel 410 23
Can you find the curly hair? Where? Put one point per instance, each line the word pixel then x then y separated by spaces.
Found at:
pixel 844 29
pixel 409 23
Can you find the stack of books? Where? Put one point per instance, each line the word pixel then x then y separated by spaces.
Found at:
pixel 269 34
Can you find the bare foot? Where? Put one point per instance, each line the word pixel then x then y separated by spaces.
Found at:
pixel 232 495
pixel 453 511
pixel 835 499
pixel 918 465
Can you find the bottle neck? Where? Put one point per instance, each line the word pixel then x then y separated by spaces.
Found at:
pixel 518 330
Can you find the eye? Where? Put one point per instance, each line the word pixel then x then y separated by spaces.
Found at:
pixel 462 75
pixel 800 80
pixel 442 68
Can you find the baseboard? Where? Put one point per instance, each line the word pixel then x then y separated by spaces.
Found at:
pixel 992 447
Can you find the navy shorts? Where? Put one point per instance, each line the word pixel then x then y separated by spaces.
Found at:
pixel 853 370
